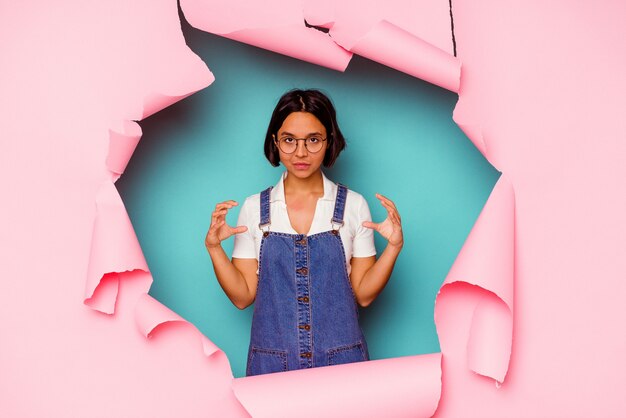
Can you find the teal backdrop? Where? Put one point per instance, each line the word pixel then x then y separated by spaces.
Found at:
pixel 402 142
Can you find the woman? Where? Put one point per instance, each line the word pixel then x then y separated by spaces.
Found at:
pixel 304 249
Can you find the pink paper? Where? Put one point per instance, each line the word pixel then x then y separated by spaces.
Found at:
pixel 114 249
pixel 409 36
pixel 399 387
pixel 485 262
pixel 276 25
pixel 533 300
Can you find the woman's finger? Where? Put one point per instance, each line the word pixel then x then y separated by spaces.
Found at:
pixel 392 210
pixel 386 200
pixel 216 217
pixel 239 229
pixel 371 225
pixel 225 205
pixel 220 211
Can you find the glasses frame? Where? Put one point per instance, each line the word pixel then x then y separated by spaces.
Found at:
pixel 277 142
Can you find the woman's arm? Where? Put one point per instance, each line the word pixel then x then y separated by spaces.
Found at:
pixel 238 278
pixel 369 276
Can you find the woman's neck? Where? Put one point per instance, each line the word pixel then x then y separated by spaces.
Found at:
pixel 314 184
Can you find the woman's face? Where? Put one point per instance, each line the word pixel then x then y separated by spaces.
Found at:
pixel 302 162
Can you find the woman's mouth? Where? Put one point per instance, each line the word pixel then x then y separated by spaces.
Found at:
pixel 301 166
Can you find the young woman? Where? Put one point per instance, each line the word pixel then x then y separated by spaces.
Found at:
pixel 304 249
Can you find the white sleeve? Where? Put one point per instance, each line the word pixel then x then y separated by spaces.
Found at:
pixel 244 246
pixel 363 244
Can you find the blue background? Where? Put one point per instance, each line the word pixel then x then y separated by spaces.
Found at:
pixel 402 142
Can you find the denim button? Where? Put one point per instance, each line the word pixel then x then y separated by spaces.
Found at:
pixel 307 355
pixel 301 242
pixel 304 299
pixel 266 233
pixel 303 271
pixel 335 231
pixel 306 327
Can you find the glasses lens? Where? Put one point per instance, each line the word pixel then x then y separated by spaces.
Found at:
pixel 288 145
pixel 314 144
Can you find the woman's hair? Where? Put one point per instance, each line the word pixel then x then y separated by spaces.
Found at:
pixel 311 101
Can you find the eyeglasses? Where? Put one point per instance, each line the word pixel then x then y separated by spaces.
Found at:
pixel 288 144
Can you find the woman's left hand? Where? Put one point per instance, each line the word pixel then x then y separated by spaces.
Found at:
pixel 391 227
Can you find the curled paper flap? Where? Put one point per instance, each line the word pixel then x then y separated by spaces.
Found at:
pixel 368 33
pixel 114 249
pixel 486 262
pixel 398 387
pixel 473 130
pixel 396 48
pixel 412 37
pixel 490 338
pixel 151 315
pixel 278 27
pixel 486 259
pixel 121 146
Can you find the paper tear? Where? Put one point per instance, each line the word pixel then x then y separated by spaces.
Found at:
pixel 490 339
pixel 151 315
pixel 114 249
pixel 121 147
pixel 487 262
pixel 412 37
pixel 277 26
pixel 398 387
pixel 397 48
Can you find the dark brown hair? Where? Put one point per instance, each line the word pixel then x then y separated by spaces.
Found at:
pixel 319 105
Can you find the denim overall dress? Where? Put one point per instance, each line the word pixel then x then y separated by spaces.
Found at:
pixel 305 312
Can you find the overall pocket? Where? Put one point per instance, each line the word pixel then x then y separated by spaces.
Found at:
pixel 263 360
pixel 350 353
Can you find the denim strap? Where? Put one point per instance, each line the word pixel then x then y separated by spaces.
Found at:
pixel 265 207
pixel 340 204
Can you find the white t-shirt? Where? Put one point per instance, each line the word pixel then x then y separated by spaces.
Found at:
pixel 358 241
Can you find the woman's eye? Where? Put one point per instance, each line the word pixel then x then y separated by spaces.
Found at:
pixel 314 139
pixel 288 140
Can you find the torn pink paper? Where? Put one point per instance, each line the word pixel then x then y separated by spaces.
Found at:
pixel 74 77
pixel 412 37
pixel 277 26
pixel 121 147
pixel 409 36
pixel 399 387
pixel 351 20
pixel 114 249
pixel 486 261
pixel 151 314
pixel 396 48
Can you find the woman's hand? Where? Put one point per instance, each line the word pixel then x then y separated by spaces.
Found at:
pixel 219 229
pixel 391 227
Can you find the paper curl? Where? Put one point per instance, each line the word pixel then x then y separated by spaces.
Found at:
pixel 485 262
pixel 151 315
pixel 398 387
pixel 114 250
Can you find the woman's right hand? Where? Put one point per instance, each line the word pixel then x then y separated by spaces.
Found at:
pixel 219 229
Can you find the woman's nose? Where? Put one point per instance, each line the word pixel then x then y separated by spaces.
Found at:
pixel 301 148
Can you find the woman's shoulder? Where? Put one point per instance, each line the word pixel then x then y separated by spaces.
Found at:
pixel 249 209
pixel 355 197
pixel 356 204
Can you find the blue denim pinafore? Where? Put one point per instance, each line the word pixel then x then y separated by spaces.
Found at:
pixel 305 312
